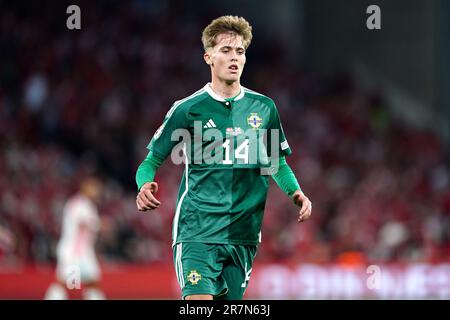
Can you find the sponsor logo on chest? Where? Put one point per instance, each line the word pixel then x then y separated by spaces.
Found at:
pixel 234 131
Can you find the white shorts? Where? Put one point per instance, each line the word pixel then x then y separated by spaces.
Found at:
pixel 84 268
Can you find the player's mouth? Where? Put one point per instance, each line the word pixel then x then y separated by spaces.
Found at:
pixel 233 68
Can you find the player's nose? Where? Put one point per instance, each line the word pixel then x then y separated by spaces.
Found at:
pixel 234 56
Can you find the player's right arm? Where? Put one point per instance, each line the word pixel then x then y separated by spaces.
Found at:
pixel 145 200
pixel 159 147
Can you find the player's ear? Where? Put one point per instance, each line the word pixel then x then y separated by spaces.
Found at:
pixel 207 57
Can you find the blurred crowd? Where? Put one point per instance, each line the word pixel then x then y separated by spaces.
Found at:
pixel 76 101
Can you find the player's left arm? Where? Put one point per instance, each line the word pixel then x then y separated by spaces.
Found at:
pixel 286 180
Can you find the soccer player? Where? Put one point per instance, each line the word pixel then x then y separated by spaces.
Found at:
pixel 77 264
pixel 220 206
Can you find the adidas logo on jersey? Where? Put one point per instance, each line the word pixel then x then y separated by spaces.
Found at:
pixel 210 124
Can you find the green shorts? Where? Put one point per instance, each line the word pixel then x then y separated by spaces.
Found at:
pixel 221 270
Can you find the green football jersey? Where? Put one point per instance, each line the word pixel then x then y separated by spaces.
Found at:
pixel 226 144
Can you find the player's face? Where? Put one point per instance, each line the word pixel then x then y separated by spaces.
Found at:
pixel 227 57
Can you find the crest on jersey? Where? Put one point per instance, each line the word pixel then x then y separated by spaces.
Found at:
pixel 194 277
pixel 254 120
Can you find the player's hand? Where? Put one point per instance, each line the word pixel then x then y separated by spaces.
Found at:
pixel 145 199
pixel 306 206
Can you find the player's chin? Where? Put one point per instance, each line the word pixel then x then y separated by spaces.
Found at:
pixel 231 76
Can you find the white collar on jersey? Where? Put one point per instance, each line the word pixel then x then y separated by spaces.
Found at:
pixel 215 96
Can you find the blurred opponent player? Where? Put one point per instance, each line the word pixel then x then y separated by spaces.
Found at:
pixel 76 248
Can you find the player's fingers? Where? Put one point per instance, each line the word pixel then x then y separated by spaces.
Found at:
pixel 152 205
pixel 305 202
pixel 140 204
pixel 148 194
pixel 306 214
pixel 148 205
pixel 309 211
pixel 150 198
pixel 303 210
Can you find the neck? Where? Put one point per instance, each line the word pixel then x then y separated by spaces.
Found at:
pixel 224 89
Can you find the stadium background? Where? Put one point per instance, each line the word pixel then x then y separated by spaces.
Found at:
pixel 367 114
